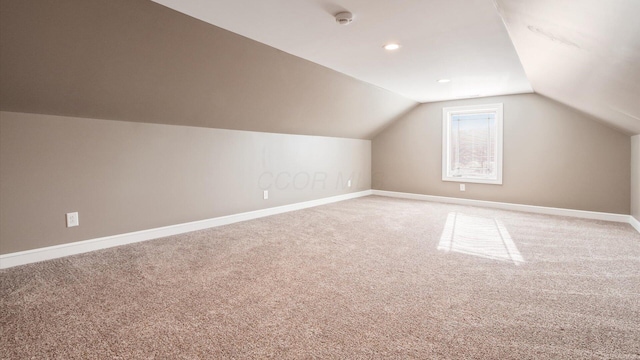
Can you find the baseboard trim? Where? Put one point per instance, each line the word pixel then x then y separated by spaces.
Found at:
pixel 510 206
pixel 79 247
pixel 634 222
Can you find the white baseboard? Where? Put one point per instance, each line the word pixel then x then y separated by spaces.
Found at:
pixel 517 207
pixel 57 251
pixel 634 222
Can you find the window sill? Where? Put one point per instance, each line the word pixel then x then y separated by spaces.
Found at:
pixel 473 180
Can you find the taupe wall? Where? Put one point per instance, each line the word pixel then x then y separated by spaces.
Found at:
pixel 635 176
pixel 125 176
pixel 135 60
pixel 553 156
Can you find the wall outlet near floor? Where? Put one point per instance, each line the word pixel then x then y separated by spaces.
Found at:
pixel 265 194
pixel 349 183
pixel 463 187
pixel 72 219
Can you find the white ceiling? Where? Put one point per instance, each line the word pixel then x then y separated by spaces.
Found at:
pixel 462 40
pixel 584 53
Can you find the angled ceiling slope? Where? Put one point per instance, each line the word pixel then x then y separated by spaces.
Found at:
pixel 585 54
pixel 139 61
pixel 461 40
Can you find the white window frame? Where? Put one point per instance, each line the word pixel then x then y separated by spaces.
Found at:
pixel 447 114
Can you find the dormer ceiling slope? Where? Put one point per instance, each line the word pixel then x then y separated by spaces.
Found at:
pixel 464 41
pixel 585 54
pixel 137 61
pixel 254 65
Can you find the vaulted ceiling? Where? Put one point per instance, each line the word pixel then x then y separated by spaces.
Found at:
pixel 137 61
pixel 585 54
pixel 463 41
pixel 286 66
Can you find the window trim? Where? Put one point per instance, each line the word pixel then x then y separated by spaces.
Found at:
pixel 446 135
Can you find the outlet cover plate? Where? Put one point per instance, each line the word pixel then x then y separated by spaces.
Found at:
pixel 72 219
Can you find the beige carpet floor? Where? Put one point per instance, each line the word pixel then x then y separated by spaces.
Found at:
pixel 371 278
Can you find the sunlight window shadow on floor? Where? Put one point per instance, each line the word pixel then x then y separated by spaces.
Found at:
pixel 479 236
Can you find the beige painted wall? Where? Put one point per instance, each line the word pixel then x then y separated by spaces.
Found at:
pixel 125 176
pixel 553 156
pixel 135 60
pixel 635 176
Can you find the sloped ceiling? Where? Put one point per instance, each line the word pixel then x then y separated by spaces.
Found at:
pixel 135 60
pixel 464 41
pixel 585 54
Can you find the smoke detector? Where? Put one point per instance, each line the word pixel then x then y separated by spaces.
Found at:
pixel 344 18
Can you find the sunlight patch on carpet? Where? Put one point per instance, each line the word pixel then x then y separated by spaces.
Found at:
pixel 479 236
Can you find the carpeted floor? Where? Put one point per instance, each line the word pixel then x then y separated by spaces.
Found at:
pixel 367 278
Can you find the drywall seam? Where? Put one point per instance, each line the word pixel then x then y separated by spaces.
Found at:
pixel 79 247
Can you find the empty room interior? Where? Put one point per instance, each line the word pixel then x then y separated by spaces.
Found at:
pixel 345 179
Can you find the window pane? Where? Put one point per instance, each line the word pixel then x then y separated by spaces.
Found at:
pixel 473 145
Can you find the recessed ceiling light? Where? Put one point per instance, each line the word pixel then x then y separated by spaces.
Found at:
pixel 392 46
pixel 442 81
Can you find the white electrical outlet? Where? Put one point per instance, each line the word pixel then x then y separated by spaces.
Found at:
pixel 72 219
pixel 349 183
pixel 463 187
pixel 265 195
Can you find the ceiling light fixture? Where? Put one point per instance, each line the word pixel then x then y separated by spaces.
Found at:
pixel 392 46
pixel 442 81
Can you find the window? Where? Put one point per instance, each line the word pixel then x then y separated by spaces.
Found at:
pixel 472 144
